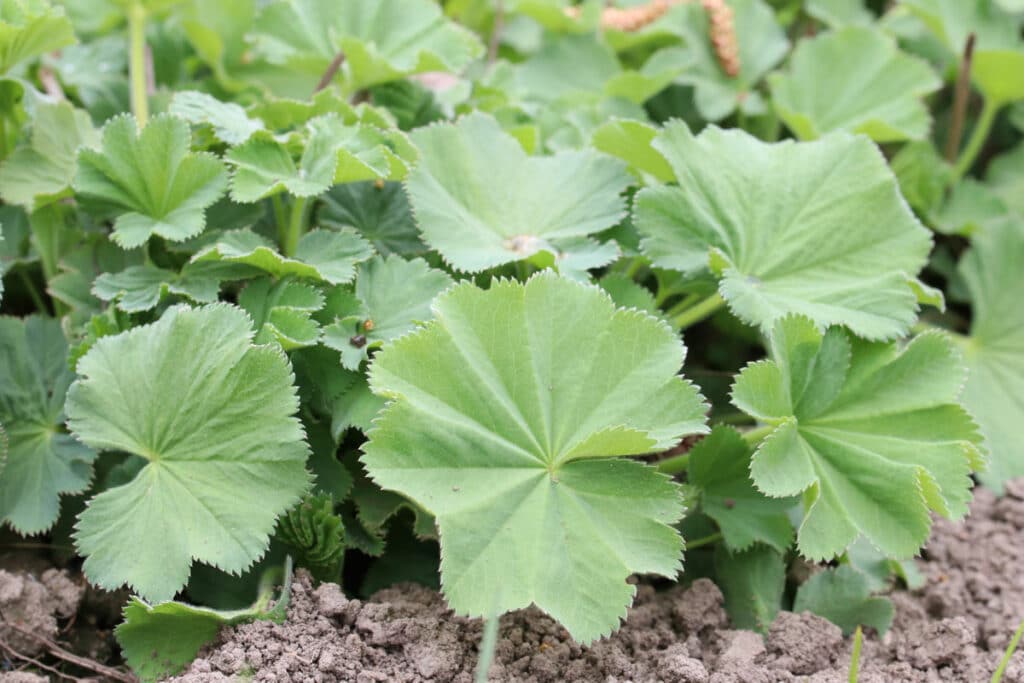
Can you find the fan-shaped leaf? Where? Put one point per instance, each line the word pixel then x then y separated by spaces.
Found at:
pixel 29 28
pixel 481 201
pixel 871 434
pixel 323 255
pixel 46 165
pixel 380 213
pixel 229 121
pixel 212 415
pixel 855 80
pixel 316 534
pixel 283 312
pixel 382 40
pixel 391 296
pixel 843 596
pixel 817 228
pixel 43 461
pixel 140 288
pixel 995 350
pixel 158 185
pixel 505 410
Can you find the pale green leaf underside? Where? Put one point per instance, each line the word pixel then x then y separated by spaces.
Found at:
pixel 162 639
pixel 995 350
pixel 323 255
pixel 212 415
pixel 382 40
pixel 42 461
pixel 872 435
pixel 229 121
pixel 858 81
pixel 481 201
pixel 504 411
pixel 46 165
pixel 774 222
pixel 159 186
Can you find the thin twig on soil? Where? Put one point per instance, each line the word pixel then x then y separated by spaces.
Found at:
pixel 960 95
pixel 70 657
pixel 36 663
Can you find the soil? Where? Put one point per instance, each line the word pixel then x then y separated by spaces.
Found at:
pixel 955 628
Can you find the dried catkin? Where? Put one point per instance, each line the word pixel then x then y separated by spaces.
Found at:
pixel 722 30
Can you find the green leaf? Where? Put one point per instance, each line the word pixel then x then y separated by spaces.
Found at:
pixel 762 44
pixel 393 294
pixel 505 410
pixel 752 582
pixel 720 468
pixel 282 312
pixel 843 596
pixel 482 202
pixel 229 121
pixel 631 142
pixel 156 184
pixel 316 535
pixel 321 255
pixel 43 461
pixel 871 434
pixel 923 175
pixel 772 220
pixel 995 350
pixel 160 640
pixel 141 288
pixel 1005 176
pixel 382 40
pixel 970 208
pixel 30 28
pixel 380 213
pixel 840 13
pixel 212 415
pixel 626 293
pixel 46 166
pixel 856 80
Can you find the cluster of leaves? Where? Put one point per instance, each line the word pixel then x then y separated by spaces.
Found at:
pixel 365 292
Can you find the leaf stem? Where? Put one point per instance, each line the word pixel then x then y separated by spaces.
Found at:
pixel 681 305
pixel 494 42
pixel 978 136
pixel 1010 649
pixel 33 292
pixel 706 540
pixel 137 62
pixel 487 646
pixel 961 93
pixel 330 72
pixel 698 312
pixel 3 137
pixel 755 435
pixel 280 217
pixel 675 464
pixel 635 264
pixel 858 640
pixel 295 227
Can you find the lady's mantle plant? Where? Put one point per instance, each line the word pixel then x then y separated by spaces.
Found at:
pixel 399 287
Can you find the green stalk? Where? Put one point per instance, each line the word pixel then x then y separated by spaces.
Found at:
pixel 634 267
pixel 1010 649
pixel 698 312
pixel 978 136
pixel 858 640
pixel 33 293
pixel 754 436
pixel 279 217
pixel 706 540
pixel 295 227
pixel 487 645
pixel 683 304
pixel 3 137
pixel 674 465
pixel 137 61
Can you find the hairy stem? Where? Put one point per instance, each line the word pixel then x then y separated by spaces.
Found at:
pixel 137 62
pixel 295 227
pixel 706 540
pixel 977 139
pixel 755 435
pixel 962 91
pixel 33 292
pixel 487 644
pixel 858 640
pixel 675 464
pixel 698 312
